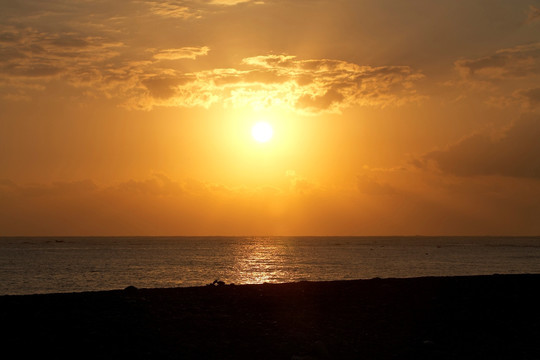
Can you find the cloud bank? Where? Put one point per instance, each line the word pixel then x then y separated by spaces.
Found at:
pixel 513 154
pixel 393 204
pixel 31 59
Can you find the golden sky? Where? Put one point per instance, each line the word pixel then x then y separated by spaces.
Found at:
pixel 134 117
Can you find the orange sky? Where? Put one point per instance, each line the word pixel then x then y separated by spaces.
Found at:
pixel 390 117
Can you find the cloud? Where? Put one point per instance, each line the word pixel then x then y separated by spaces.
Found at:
pixel 162 87
pixel 155 205
pixel 101 57
pixel 531 97
pixel 158 185
pixel 173 9
pixel 517 62
pixel 100 66
pixel 299 184
pixel 309 86
pixel 30 59
pixel 191 9
pixel 228 2
pixel 162 206
pixel 513 154
pixel 508 76
pixel 182 53
pixel 404 202
pixel 534 14
pixel 62 189
pixel 369 185
pixel 33 54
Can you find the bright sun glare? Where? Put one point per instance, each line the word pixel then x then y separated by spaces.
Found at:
pixel 262 131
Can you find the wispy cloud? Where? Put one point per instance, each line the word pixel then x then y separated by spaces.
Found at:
pixel 516 62
pixel 173 9
pixel 191 9
pixel 508 76
pixel 228 2
pixel 182 53
pixel 31 53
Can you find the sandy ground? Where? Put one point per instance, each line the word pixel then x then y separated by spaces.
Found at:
pixel 479 317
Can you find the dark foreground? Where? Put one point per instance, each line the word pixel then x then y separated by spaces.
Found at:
pixel 484 317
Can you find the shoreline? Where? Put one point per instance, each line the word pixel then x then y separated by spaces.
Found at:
pixel 459 317
pixel 131 289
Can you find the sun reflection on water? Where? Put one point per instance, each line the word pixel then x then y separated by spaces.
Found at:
pixel 261 260
pixel 88 264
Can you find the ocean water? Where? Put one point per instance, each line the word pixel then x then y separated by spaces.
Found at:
pixel 30 265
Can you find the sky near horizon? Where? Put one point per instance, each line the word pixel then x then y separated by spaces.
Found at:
pixel 134 117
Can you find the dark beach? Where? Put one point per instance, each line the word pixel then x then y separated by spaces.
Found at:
pixel 476 317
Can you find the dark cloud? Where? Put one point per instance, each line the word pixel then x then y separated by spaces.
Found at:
pixel 99 65
pixel 515 153
pixel 8 37
pixel 530 96
pixel 163 87
pixel 517 62
pixel 7 54
pixel 37 54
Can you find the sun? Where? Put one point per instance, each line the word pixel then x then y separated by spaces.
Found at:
pixel 262 131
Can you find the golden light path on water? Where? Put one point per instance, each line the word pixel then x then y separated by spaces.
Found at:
pixel 73 264
pixel 262 261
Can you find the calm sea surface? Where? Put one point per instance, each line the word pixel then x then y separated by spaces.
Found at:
pixel 32 265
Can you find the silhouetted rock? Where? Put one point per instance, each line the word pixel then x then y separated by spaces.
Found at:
pixel 217 283
pixel 130 290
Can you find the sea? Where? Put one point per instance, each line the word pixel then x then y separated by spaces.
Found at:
pixel 39 265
